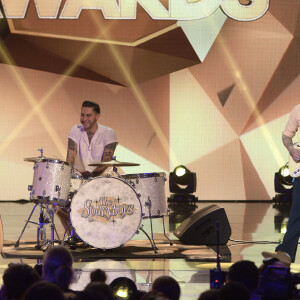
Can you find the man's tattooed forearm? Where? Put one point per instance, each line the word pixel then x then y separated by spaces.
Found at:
pixel 287 141
pixel 109 151
pixel 71 145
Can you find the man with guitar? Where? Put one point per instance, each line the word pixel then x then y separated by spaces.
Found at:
pixel 286 251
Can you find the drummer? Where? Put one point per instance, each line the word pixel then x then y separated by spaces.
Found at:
pixel 88 143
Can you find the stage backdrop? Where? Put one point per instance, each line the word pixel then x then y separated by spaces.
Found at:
pixel 216 102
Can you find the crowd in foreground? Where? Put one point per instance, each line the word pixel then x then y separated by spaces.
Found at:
pixel 53 278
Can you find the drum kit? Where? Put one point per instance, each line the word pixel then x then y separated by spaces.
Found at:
pixel 105 212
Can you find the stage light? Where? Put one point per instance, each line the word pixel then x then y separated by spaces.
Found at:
pixel 283 227
pixel 284 176
pixel 180 171
pixel 283 181
pixel 123 288
pixel 283 185
pixel 182 181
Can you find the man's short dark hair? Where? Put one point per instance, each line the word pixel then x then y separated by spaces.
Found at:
pixel 95 106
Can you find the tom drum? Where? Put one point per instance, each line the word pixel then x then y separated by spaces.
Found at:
pixel 51 182
pixel 151 187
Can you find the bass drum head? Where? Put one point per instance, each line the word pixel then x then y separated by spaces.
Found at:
pixel 106 212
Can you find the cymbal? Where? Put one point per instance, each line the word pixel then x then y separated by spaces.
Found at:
pixel 112 163
pixel 38 158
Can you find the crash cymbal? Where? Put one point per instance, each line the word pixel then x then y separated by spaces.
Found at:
pixel 112 163
pixel 38 158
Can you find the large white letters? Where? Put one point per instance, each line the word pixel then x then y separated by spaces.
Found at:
pixel 253 11
pixel 15 9
pixel 154 8
pixel 73 8
pixel 47 9
pixel 127 9
pixel 185 10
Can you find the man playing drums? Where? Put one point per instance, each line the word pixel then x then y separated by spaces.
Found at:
pixel 88 143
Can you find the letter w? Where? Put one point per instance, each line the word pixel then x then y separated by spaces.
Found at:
pixel 16 9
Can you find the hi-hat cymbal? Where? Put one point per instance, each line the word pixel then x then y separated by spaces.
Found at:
pixel 112 163
pixel 38 158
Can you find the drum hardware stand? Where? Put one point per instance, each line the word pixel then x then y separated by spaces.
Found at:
pixel 28 221
pixel 149 204
pixel 116 171
pixel 71 240
pixel 152 243
pixel 163 218
pixel 43 220
pixel 50 243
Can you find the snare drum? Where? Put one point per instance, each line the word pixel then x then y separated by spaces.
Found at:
pixel 106 212
pixel 151 187
pixel 76 182
pixel 51 182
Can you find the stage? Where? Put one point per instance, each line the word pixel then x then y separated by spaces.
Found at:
pixel 255 227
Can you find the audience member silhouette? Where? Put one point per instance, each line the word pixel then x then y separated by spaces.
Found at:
pixel 246 272
pixel 43 290
pixel 100 287
pixel 17 278
pixel 154 296
pixel 98 275
pixel 57 267
pixel 234 291
pixel 168 286
pixel 209 295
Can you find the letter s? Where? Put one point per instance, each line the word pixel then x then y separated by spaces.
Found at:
pixel 87 205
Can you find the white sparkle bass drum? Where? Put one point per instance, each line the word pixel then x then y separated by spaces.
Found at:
pixel 151 187
pixel 106 212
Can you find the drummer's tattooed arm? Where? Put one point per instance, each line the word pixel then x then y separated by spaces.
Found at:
pixel 72 150
pixel 107 155
pixel 108 151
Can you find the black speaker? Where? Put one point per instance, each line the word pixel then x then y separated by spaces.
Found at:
pixel 200 227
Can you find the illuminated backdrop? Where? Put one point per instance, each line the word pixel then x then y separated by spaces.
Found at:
pixel 213 94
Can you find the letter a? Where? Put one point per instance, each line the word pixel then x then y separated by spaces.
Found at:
pixel 73 8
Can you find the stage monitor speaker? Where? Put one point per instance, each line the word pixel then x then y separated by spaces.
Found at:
pixel 200 227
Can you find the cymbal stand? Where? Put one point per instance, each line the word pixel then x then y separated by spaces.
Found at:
pixel 115 169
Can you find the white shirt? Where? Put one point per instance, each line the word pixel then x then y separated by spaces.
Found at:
pixel 88 153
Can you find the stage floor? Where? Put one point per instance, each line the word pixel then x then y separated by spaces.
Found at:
pixel 255 227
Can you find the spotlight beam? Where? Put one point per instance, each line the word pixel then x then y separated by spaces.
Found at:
pixel 139 97
pixel 36 108
pixel 250 101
